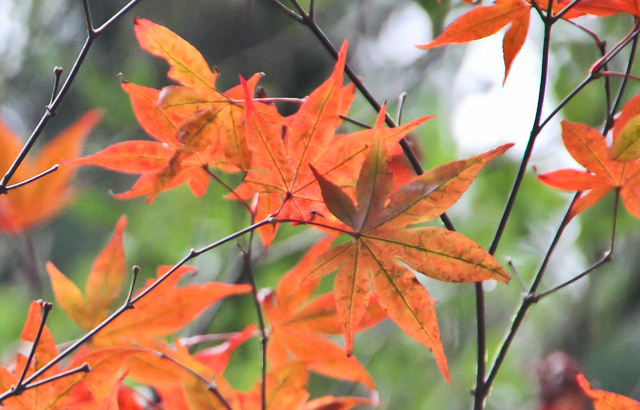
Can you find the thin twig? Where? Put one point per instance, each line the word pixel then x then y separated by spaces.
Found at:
pixel 606 258
pixel 597 66
pixel 529 299
pixel 610 118
pixel 57 73
pixel 264 340
pixel 481 389
pixel 269 100
pixel 227 187
pixel 34 178
pixel 50 109
pixel 85 368
pixel 402 98
pixel 211 384
pixel 535 131
pixel 46 308
pixel 217 337
pixel 287 10
pixel 356 122
pixel 87 15
pixel 130 302
pixel 516 274
pixel 564 10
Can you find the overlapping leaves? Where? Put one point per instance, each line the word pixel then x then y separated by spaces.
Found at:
pixel 298 325
pixel 283 149
pixel 384 250
pixel 195 125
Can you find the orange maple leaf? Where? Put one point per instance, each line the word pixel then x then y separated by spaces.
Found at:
pixel 195 124
pixel 35 203
pixel 179 306
pixel 169 310
pixel 383 246
pixel 603 8
pixel 287 389
pixel 606 169
pixel 297 328
pixel 603 400
pixel 283 149
pixel 103 284
pixel 212 120
pixel 484 21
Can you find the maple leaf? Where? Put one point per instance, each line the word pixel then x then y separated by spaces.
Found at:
pixel 179 305
pixel 484 21
pixel 283 148
pixel 35 203
pixel 103 284
pixel 603 8
pixel 297 328
pixel 195 124
pixel 212 119
pixel 383 247
pixel 603 174
pixel 170 309
pixel 149 158
pixel 603 400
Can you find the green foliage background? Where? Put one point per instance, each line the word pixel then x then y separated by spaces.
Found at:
pixel 596 321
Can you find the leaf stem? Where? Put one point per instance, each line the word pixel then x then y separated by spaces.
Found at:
pixel 610 118
pixel 211 384
pixel 227 187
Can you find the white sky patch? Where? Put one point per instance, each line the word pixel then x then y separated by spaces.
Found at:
pixel 13 34
pixel 403 29
pixel 487 114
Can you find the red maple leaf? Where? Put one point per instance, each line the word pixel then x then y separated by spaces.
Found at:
pixel 607 169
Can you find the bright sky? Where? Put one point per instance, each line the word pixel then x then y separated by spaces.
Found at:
pixel 486 113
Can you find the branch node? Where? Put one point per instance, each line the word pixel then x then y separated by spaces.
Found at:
pixel 57 72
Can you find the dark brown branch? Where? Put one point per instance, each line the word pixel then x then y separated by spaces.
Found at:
pixel 34 178
pixel 264 340
pixel 46 308
pixel 130 302
pixel 51 108
pixel 85 368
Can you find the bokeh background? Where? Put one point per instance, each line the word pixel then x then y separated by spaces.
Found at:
pixel 596 321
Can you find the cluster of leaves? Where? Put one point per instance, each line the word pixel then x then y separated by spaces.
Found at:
pixel 296 169
pixel 299 170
